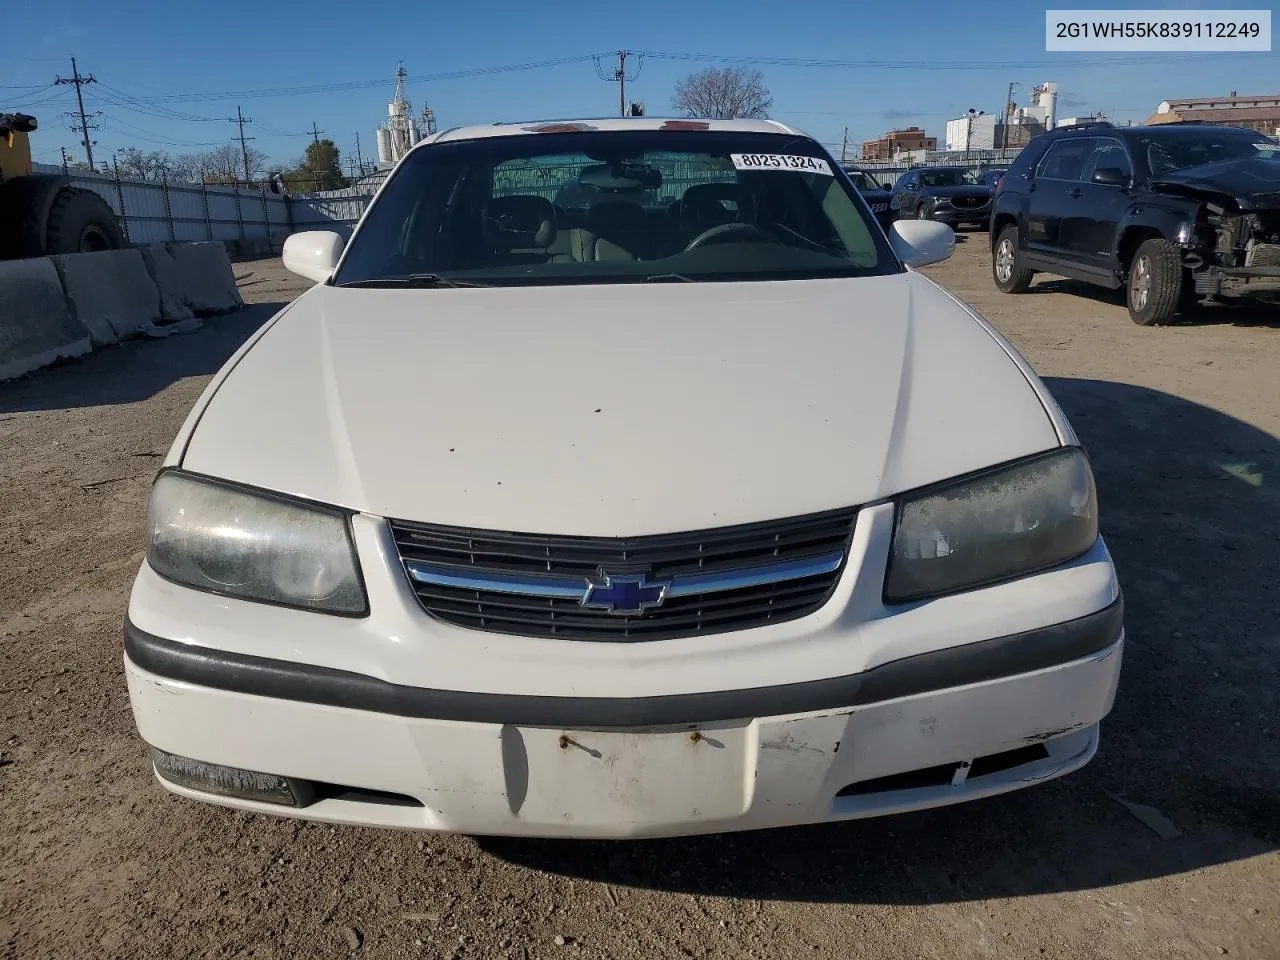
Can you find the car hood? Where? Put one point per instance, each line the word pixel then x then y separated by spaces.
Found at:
pixel 1251 182
pixel 618 410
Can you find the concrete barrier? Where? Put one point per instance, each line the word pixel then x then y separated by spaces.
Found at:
pixel 168 280
pixel 109 292
pixel 36 326
pixel 207 281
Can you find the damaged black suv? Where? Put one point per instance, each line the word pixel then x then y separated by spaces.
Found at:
pixel 1177 214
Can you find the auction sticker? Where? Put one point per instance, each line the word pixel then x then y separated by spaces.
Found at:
pixel 780 161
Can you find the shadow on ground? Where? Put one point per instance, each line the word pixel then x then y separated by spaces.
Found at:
pixel 1191 511
pixel 136 369
pixel 1239 313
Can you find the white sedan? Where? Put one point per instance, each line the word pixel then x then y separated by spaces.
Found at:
pixel 621 478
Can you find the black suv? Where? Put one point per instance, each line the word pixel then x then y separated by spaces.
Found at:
pixel 1174 213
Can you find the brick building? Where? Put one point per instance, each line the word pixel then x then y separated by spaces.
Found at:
pixel 898 141
pixel 1256 113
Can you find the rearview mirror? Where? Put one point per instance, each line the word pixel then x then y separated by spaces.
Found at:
pixel 1111 177
pixel 919 243
pixel 312 254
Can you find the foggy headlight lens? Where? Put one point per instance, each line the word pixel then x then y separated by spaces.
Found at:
pixel 1016 521
pixel 227 540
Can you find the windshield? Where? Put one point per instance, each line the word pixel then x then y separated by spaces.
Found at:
pixel 863 182
pixel 1166 153
pixel 947 178
pixel 615 207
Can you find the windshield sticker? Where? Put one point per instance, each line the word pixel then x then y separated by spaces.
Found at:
pixel 780 161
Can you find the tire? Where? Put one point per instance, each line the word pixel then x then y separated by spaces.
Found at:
pixel 1153 291
pixel 922 211
pixel 81 222
pixel 1009 275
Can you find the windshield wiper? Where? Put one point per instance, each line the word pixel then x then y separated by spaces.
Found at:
pixel 667 278
pixel 413 280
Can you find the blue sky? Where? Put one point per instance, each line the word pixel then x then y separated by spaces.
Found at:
pixel 141 52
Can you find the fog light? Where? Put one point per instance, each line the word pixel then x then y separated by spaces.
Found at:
pixel 232 781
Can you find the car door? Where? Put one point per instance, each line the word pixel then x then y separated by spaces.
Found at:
pixel 1052 194
pixel 1089 232
pixel 906 195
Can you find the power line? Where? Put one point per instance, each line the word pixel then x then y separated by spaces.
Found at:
pixel 78 81
pixel 260 92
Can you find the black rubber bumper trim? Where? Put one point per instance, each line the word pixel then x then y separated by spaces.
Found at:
pixel 953 667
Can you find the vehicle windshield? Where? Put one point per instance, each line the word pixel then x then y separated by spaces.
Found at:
pixel 863 182
pixel 1166 153
pixel 947 178
pixel 615 207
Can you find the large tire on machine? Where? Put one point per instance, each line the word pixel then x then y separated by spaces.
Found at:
pixel 80 221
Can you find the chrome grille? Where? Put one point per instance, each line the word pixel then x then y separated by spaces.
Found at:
pixel 463 562
pixel 970 203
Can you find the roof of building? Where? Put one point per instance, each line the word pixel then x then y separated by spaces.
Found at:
pixel 1229 101
pixel 1225 116
pixel 518 128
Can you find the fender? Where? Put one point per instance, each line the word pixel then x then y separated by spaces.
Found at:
pixel 25 203
pixel 1171 217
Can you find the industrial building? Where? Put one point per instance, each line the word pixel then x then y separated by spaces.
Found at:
pixel 989 131
pixel 402 130
pixel 1255 113
pixel 895 143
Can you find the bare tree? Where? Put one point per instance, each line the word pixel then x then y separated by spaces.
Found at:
pixel 723 94
pixel 134 164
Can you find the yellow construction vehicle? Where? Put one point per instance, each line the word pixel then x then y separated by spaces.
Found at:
pixel 42 214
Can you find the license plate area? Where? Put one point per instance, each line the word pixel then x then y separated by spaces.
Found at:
pixel 639 778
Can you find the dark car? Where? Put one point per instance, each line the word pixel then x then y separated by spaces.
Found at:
pixel 990 177
pixel 950 194
pixel 1174 213
pixel 875 193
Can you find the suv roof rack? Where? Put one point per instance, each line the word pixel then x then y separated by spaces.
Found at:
pixel 1085 123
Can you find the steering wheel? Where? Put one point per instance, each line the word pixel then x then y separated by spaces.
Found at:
pixel 729 232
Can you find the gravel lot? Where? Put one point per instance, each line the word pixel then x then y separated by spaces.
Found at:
pixel 1182 422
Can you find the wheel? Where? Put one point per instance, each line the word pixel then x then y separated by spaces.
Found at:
pixel 1010 277
pixel 922 212
pixel 1155 283
pixel 81 222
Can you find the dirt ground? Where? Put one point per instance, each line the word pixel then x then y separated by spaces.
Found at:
pixel 1182 423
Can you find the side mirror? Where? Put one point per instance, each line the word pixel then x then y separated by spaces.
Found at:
pixel 919 243
pixel 1111 177
pixel 312 254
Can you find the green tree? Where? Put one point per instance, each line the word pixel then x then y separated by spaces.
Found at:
pixel 320 169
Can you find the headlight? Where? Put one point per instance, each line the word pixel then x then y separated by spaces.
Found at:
pixel 228 540
pixel 993 527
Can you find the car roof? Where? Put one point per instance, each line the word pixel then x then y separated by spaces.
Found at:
pixel 609 124
pixel 1175 129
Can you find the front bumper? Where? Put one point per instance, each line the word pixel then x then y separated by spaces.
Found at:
pixel 493 734
pixel 958 216
pixel 875 743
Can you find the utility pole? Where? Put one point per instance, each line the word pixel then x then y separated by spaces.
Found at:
pixel 79 81
pixel 1004 120
pixel 619 76
pixel 315 132
pixel 844 145
pixel 241 120
pixel 359 155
